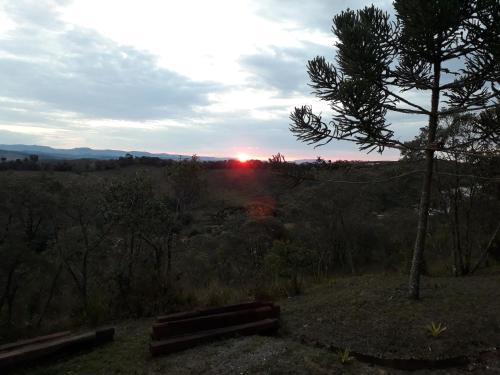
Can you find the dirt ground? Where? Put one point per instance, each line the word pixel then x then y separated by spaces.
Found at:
pixel 372 315
pixel 366 314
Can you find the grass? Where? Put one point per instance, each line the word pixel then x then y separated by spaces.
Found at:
pixel 247 355
pixel 368 314
pixel 372 315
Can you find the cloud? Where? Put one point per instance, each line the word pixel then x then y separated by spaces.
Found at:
pixel 312 14
pixel 226 136
pixel 10 137
pixel 35 13
pixel 65 84
pixel 285 69
pixel 77 70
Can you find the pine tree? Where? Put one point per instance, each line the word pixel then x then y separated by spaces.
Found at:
pixel 447 48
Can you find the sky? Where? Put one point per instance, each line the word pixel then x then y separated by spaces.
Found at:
pixel 212 78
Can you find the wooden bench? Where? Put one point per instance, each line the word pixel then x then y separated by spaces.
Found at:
pixel 34 340
pixel 213 310
pixel 179 331
pixel 214 321
pixel 183 342
pixel 28 351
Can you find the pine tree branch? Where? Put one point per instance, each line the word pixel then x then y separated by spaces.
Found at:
pixel 421 110
pixel 466 109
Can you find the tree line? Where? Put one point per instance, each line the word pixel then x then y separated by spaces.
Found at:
pixel 90 247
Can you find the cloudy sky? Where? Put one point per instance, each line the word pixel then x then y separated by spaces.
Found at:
pixel 215 77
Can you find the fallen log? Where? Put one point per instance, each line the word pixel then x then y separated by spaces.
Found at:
pixel 61 345
pixel 213 310
pixel 34 340
pixel 179 343
pixel 215 321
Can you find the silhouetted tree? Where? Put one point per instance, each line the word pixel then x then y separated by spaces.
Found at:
pixel 463 187
pixel 276 160
pixel 24 210
pixel 289 260
pixel 186 182
pixel 445 48
pixel 86 227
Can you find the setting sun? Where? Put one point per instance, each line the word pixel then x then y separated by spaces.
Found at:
pixel 242 157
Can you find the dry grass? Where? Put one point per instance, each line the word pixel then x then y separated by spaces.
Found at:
pixel 368 314
pixel 371 314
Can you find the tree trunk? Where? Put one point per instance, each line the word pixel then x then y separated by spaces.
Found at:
pixel 8 284
pixel 51 295
pixel 486 250
pixel 467 262
pixel 346 247
pixel 85 283
pixel 423 215
pixel 446 201
pixel 170 244
pixel 459 264
pixel 10 303
pixel 425 197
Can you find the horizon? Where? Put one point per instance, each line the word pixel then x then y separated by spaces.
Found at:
pixel 179 81
pixel 239 157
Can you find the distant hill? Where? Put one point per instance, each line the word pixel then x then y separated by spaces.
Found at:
pixel 45 152
pixel 12 155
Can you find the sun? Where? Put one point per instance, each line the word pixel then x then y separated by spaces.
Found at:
pixel 242 157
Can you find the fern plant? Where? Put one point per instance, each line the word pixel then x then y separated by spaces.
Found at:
pixel 435 330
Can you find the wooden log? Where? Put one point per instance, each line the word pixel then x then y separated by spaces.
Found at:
pixel 209 322
pixel 104 335
pixel 179 343
pixel 212 310
pixel 34 340
pixel 62 345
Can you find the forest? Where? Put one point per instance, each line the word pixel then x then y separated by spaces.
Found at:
pixel 320 263
pixel 94 244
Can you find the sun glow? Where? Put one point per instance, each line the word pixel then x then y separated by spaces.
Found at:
pixel 242 157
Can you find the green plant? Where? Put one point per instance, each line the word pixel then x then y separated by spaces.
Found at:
pixel 344 356
pixel 435 330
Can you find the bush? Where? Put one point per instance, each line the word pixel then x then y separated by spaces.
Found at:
pixel 289 260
